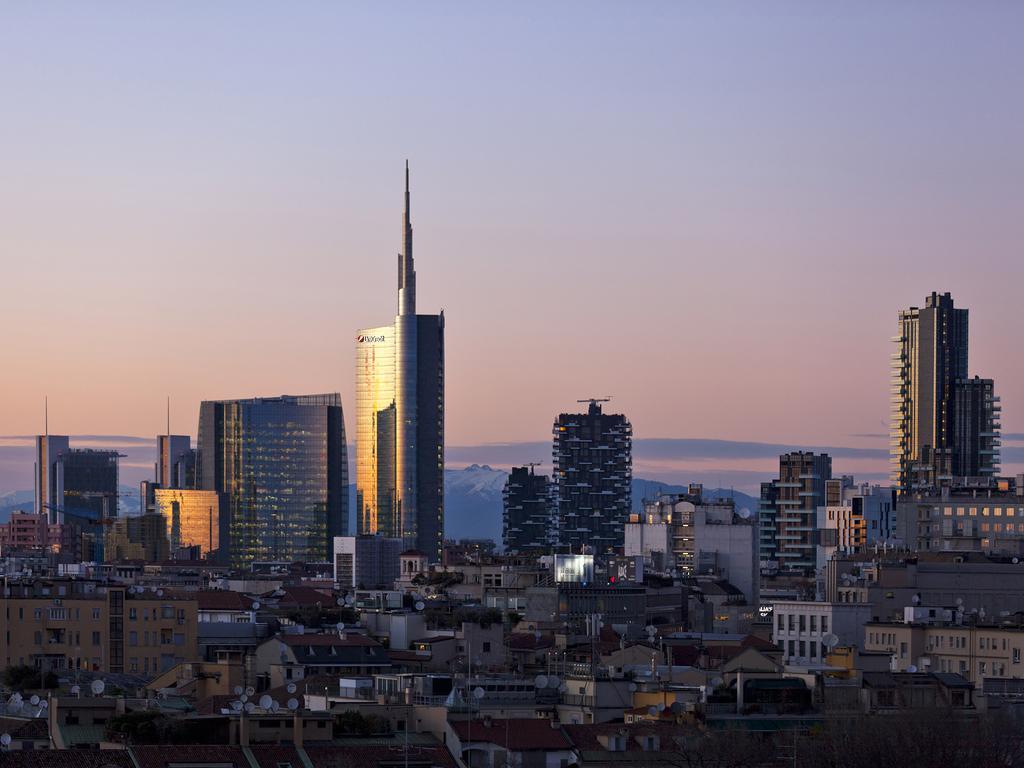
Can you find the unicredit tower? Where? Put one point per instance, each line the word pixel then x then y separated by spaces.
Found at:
pixel 400 418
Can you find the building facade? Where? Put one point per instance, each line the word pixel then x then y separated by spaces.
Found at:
pixel 176 461
pixel 280 467
pixel 366 562
pixel 526 511
pixel 193 520
pixel 67 625
pixel 592 454
pixel 789 513
pixel 944 424
pixel 138 537
pixel 400 418
pixel 976 428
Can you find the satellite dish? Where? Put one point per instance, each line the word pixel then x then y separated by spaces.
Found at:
pixel 652 711
pixel 5 739
pixel 420 605
pixel 632 687
pixel 245 698
pixel 341 625
pixel 250 707
pixel 293 704
pixel 159 593
pixel 34 701
pixel 274 706
pixel 916 599
pixel 959 601
pixel 661 707
pixel 75 690
pixel 563 688
pixel 540 681
pixel 236 705
pixel 553 681
pixel 745 513
pixel 250 691
pixel 1015 560
pixel 292 688
pixel 255 605
pixel 340 601
pixel 97 687
pixel 44 704
pixel 912 668
pixel 265 701
pixel 676 707
pixel 479 693
pixel 830 640
pixel 349 599
pixel 239 690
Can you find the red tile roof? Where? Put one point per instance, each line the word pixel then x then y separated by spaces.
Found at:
pixel 585 737
pixel 165 754
pixel 223 600
pixel 66 758
pixel 346 756
pixel 271 756
pixel 516 734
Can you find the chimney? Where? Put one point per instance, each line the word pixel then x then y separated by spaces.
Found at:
pixel 297 730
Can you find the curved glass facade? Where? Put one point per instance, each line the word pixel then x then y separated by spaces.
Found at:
pixel 280 464
pixel 376 505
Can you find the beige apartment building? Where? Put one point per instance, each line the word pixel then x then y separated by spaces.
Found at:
pixel 66 625
pixel 975 652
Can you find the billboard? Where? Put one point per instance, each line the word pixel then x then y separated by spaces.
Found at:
pixel 577 569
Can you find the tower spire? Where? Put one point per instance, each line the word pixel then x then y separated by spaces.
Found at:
pixel 406 269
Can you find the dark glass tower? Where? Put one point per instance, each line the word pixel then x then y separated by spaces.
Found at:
pixel 280 467
pixel 593 463
pixel 976 428
pixel 527 519
pixel 400 418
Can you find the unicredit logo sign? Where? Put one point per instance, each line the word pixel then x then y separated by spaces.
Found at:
pixel 370 339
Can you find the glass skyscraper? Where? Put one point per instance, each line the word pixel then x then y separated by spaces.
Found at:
pixel 280 467
pixel 193 519
pixel 400 418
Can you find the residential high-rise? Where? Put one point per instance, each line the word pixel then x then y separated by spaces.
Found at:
pixel 593 471
pixel 280 466
pixel 400 418
pixel 931 357
pixel 975 428
pixel 526 511
pixel 789 510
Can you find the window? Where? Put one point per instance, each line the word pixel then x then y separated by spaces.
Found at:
pixel 133 638
pixel 487 646
pixel 824 623
pixel 95 613
pixel 814 623
pixel 803 649
pixel 95 638
pixel 982 668
pixel 803 623
pixel 38 637
pixel 780 622
pixel 1016 655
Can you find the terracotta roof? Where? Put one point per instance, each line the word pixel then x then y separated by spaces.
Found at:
pixel 305 596
pixel 516 734
pixel 585 737
pixel 165 754
pixel 373 756
pixel 66 758
pixel 223 600
pixel 271 756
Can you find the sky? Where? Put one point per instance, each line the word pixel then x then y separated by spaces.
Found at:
pixel 711 212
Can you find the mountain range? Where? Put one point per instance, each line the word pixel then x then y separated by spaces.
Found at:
pixel 472 500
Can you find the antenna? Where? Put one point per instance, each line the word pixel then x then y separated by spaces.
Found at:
pixel 46 415
pixel 168 414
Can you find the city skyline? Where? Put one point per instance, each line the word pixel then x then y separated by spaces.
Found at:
pixel 630 177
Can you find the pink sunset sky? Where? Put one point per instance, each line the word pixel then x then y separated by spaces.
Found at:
pixel 712 212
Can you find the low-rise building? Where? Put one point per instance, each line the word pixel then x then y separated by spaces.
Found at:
pixel 805 630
